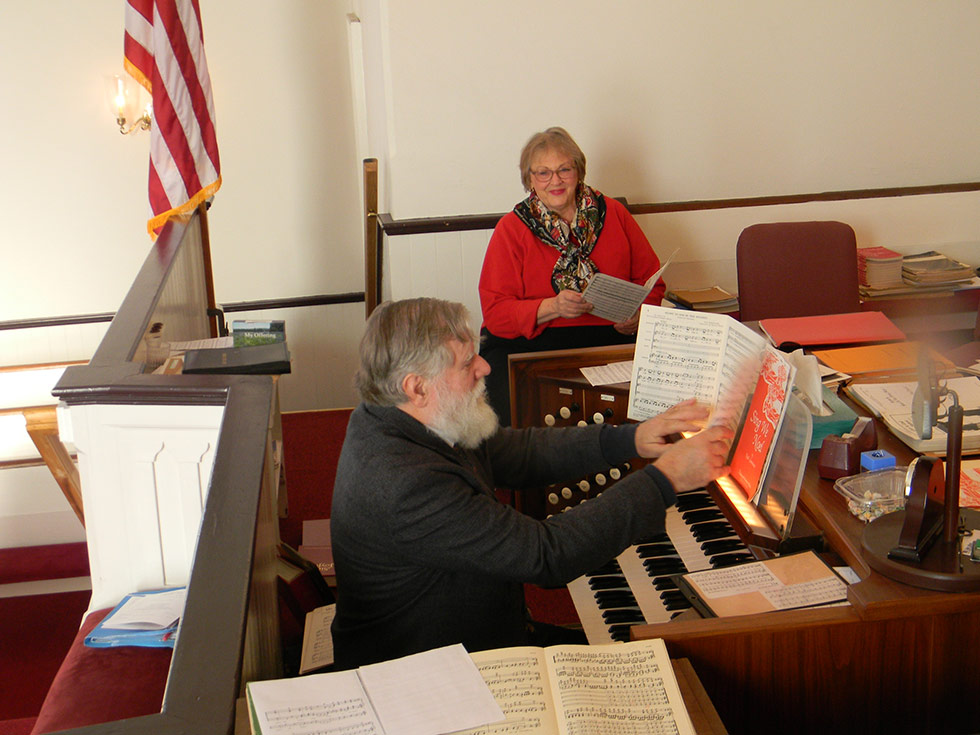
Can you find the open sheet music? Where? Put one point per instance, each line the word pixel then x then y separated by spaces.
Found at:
pixel 617 299
pixel 621 688
pixel 692 354
pixel 427 693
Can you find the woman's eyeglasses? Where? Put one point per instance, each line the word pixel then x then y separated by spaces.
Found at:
pixel 544 175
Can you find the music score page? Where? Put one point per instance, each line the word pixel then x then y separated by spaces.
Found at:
pixel 615 689
pixel 692 354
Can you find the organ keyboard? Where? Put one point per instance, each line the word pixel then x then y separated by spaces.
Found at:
pixel 636 587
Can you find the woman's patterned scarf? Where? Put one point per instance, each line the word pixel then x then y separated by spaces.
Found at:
pixel 574 267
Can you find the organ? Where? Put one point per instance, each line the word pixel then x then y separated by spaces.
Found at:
pixel 896 658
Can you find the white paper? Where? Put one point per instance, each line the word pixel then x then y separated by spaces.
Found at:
pixel 149 612
pixel 693 354
pixel 321 704
pixel 428 693
pixel 617 299
pixel 216 343
pixel 614 372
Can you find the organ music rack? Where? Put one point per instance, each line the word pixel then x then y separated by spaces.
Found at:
pixel 896 659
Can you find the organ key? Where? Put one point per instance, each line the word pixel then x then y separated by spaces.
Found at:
pixel 637 588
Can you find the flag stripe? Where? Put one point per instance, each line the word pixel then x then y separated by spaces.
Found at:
pixel 164 49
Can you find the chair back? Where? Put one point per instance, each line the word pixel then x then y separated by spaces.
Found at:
pixel 788 269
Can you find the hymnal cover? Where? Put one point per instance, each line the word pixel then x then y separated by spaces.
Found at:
pixel 859 327
pixel 270 359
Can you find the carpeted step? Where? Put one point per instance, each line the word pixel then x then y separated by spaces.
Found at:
pixel 33 563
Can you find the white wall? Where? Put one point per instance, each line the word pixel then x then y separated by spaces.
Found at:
pixel 675 101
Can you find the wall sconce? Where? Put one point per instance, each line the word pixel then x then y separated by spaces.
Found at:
pixel 125 99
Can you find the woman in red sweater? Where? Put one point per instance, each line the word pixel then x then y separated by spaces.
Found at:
pixel 541 256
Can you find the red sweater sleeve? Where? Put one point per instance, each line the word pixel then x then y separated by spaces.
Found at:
pixel 517 270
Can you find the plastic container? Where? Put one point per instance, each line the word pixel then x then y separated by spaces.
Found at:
pixel 872 494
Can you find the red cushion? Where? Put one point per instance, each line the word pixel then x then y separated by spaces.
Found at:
pixel 96 685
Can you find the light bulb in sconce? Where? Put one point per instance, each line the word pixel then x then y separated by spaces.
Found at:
pixel 125 99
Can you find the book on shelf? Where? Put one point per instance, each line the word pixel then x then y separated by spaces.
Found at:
pixel 546 691
pixel 713 298
pixel 268 359
pixel 147 619
pixel 892 403
pixel 248 332
pixel 785 582
pixel 879 267
pixel 934 267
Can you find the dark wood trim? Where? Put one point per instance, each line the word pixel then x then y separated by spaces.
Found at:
pixel 295 301
pixel 284 303
pixel 460 223
pixel 371 255
pixel 202 211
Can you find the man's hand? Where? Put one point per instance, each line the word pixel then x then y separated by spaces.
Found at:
pixel 692 463
pixel 652 434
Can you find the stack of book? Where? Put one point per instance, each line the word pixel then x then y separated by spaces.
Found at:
pixel 932 267
pixel 714 299
pixel 879 268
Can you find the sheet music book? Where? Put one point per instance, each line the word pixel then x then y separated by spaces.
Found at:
pixel 694 354
pixel 781 583
pixel 619 687
pixel 617 299
pixel 767 408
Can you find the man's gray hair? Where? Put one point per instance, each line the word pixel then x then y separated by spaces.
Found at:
pixel 403 337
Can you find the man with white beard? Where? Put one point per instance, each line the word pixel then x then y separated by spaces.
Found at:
pixel 425 554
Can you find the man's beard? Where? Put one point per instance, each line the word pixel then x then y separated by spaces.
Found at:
pixel 464 420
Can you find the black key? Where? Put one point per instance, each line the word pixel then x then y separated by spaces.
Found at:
pixel 704 514
pixel 730 560
pixel 719 546
pixel 620 632
pixel 664 583
pixel 655 551
pixel 656 567
pixel 607 583
pixel 608 601
pixel 623 616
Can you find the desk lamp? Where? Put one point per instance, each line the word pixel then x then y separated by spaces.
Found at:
pixel 921 545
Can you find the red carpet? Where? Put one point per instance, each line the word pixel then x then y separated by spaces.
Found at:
pixel 37 632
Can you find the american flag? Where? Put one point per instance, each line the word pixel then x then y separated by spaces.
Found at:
pixel 164 51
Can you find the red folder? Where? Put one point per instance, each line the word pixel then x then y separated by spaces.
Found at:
pixel 833 329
